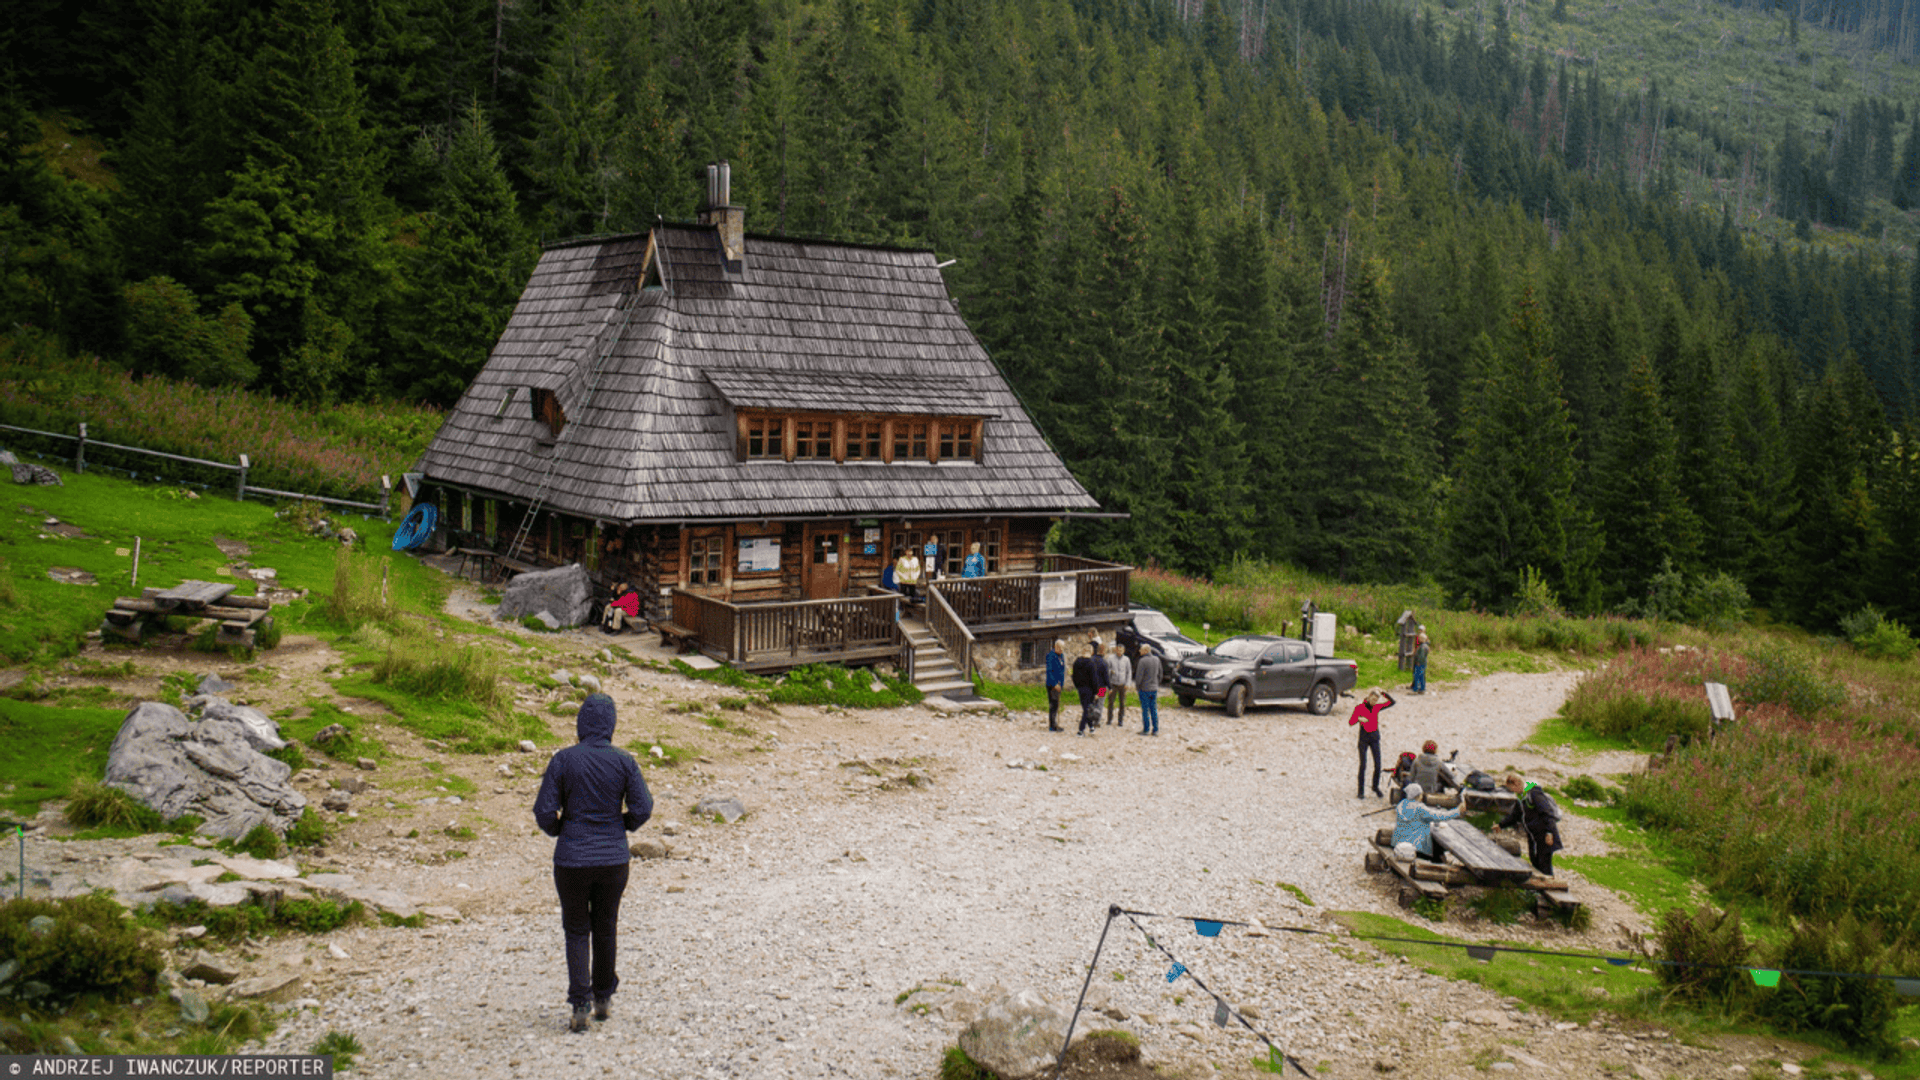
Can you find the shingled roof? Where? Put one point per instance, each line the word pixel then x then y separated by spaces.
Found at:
pixel 795 325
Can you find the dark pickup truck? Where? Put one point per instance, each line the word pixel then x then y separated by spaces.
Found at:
pixel 1259 669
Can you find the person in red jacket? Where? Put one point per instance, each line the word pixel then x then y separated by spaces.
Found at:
pixel 1367 715
pixel 622 609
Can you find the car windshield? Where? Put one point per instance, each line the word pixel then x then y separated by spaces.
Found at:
pixel 1240 648
pixel 1154 624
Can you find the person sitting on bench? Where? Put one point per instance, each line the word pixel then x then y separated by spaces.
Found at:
pixel 621 610
pixel 1413 822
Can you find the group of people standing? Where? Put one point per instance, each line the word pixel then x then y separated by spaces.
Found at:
pixel 1104 676
pixel 908 571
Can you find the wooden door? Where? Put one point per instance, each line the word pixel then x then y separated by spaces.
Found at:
pixel 825 565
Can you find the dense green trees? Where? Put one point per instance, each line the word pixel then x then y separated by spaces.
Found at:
pixel 1343 287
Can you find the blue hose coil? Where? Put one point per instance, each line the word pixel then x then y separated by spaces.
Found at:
pixel 415 527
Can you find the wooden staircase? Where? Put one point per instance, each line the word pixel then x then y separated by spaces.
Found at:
pixel 934 670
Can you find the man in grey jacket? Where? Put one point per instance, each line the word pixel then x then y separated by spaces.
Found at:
pixel 1146 685
pixel 581 803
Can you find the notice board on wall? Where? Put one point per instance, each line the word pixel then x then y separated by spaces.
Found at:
pixel 759 553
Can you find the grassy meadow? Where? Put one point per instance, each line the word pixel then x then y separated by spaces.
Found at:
pixel 338 452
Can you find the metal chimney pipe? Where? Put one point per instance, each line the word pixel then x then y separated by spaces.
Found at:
pixel 726 185
pixel 713 185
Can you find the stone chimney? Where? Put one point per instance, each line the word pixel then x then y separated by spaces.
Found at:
pixel 720 211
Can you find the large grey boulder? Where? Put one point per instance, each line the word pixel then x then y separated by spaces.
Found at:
pixel 209 767
pixel 1018 1034
pixel 565 592
pixel 259 728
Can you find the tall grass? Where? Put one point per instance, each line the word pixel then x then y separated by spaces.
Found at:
pixel 1812 814
pixel 1259 597
pixel 340 451
pixel 426 668
pixel 359 594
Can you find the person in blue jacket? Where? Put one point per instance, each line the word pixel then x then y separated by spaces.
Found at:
pixel 581 803
pixel 1056 682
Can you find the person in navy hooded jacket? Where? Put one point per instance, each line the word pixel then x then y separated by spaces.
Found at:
pixel 580 802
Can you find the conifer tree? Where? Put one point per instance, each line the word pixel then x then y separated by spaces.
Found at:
pixel 292 239
pixel 1636 493
pixel 1113 389
pixel 468 273
pixel 1513 503
pixel 1373 463
pixel 1839 441
pixel 1208 482
pixel 1762 467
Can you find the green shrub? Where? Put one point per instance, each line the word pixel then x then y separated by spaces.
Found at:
pixel 1777 675
pixel 1709 953
pixel 956 1065
pixel 341 1046
pixel 266 634
pixel 1536 598
pixel 89 948
pixel 292 755
pixel 1888 640
pixel 1858 1011
pixel 258 916
pixel 1585 789
pixel 310 831
pixel 261 842
pixel 96 805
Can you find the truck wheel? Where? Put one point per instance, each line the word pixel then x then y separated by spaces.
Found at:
pixel 1322 701
pixel 1237 699
pixel 1186 700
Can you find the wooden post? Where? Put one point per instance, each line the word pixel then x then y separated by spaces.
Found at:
pixel 135 583
pixel 384 567
pixel 80 452
pixel 386 496
pixel 241 492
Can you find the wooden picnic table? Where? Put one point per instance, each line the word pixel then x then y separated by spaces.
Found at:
pixel 494 566
pixel 239 616
pixel 1480 860
pixel 1476 851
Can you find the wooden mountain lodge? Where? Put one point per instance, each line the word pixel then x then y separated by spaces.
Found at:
pixel 748 428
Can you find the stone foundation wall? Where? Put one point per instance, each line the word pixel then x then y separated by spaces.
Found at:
pixel 1000 661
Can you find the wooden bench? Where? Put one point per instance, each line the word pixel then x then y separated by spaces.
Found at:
pixel 675 635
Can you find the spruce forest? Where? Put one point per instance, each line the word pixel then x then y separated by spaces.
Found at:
pixel 1384 295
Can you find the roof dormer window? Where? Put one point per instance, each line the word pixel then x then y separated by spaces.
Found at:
pixel 547 410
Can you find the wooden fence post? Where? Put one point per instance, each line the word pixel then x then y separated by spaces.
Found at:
pixel 80 452
pixel 135 583
pixel 241 492
pixel 386 497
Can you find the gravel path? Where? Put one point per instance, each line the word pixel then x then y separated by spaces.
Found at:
pixel 781 945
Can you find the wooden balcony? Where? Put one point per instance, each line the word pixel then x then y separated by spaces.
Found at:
pixel 1067 587
pixel 776 636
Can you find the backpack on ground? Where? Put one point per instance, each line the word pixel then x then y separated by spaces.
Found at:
pixel 1480 781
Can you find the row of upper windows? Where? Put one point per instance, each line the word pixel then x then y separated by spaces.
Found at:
pixel 816 437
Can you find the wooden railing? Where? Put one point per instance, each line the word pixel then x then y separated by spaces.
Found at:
pixel 710 620
pixel 1000 598
pixel 801 631
pixel 1100 588
pixel 952 633
pixel 1101 591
